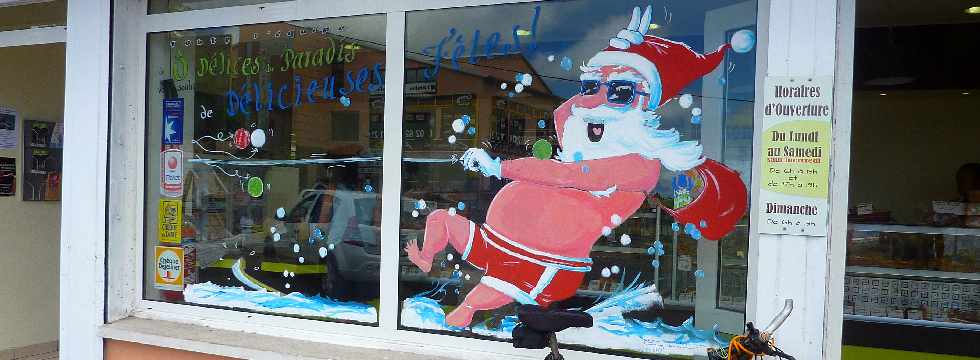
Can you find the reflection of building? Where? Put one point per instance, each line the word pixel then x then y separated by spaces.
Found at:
pixel 503 124
pixel 508 123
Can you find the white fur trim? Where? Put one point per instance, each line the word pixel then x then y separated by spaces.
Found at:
pixel 508 289
pixel 646 67
pixel 469 243
pixel 544 281
pixel 619 43
pixel 632 36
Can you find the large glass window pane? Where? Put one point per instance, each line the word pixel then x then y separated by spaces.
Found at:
pixel 912 278
pixel 263 170
pixel 33 14
pixel 551 157
pixel 166 6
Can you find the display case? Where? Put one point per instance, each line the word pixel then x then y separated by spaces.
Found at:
pixel 917 275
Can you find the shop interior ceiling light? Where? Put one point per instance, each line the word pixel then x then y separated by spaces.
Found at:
pixel 5 3
pixel 973 10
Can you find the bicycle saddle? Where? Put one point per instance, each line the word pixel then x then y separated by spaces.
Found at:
pixel 547 321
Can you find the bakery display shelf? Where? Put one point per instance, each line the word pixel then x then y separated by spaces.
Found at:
pixel 915 229
pixel 913 322
pixel 912 273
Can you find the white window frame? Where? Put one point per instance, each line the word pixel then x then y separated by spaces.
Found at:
pixel 33 36
pixel 114 230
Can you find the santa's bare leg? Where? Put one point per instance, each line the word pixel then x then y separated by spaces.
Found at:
pixel 441 229
pixel 482 297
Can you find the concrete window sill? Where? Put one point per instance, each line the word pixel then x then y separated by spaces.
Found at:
pixel 240 345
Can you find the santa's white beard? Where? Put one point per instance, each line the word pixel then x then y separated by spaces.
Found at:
pixel 626 132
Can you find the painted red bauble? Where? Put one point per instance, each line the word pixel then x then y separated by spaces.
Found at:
pixel 242 139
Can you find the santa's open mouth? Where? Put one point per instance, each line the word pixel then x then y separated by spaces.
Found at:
pixel 595 131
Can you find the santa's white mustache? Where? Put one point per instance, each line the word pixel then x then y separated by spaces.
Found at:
pixel 604 114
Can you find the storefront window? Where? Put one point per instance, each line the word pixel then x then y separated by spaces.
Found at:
pixel 166 6
pixel 33 15
pixel 738 122
pixel 579 154
pixel 913 241
pixel 263 171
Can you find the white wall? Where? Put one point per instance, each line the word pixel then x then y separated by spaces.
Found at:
pixel 800 39
pixel 33 79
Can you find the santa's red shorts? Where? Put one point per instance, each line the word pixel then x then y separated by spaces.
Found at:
pixel 529 276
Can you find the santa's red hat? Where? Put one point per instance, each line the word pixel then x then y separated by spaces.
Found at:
pixel 668 66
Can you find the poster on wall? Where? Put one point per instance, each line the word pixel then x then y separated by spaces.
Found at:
pixel 8 176
pixel 169 274
pixel 8 128
pixel 795 164
pixel 170 220
pixel 42 161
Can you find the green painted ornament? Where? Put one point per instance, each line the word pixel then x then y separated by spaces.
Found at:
pixel 542 149
pixel 255 186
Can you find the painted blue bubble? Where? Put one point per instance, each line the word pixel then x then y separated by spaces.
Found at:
pixel 368 188
pixel 660 252
pixel 443 264
pixel 704 224
pixel 542 124
pixel 651 251
pixel 518 77
pixel 577 156
pixel 722 81
pixel 585 169
pixel 510 94
pixel 345 101
pixel 460 205
pixel 699 273
pixel 676 227
pixel 659 245
pixel 743 41
pixel 655 264
pixel 695 234
pixel 689 228
pixel 471 130
pixel 466 119
pixel 566 63
pixel 696 119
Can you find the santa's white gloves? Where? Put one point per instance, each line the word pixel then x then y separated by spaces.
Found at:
pixel 635 30
pixel 479 160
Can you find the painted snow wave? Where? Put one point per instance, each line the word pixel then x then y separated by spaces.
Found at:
pixel 293 304
pixel 611 330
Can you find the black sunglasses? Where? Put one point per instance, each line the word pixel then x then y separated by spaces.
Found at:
pixel 620 91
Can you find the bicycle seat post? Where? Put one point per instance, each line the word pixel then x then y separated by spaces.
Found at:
pixel 553 342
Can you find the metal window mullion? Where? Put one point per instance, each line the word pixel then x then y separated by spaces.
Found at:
pixel 391 168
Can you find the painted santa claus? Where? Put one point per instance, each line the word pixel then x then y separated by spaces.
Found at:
pixel 540 228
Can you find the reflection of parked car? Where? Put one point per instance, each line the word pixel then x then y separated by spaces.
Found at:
pixel 343 225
